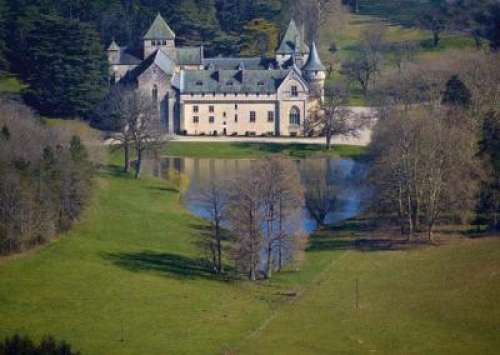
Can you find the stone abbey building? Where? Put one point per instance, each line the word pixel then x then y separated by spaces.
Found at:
pixel 224 96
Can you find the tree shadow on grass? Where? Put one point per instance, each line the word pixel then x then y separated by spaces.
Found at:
pixel 358 234
pixel 171 265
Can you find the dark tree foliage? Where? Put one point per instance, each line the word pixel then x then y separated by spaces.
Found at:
pixel 23 345
pixel 490 151
pixel 456 93
pixel 67 66
pixel 4 65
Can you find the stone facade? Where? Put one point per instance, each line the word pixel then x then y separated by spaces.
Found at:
pixel 224 96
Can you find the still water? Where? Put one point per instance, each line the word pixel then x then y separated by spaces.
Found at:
pixel 346 175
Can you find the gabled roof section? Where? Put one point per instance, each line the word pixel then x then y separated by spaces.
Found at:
pixel 292 41
pixel 234 63
pixel 160 30
pixel 314 61
pixel 232 81
pixel 160 59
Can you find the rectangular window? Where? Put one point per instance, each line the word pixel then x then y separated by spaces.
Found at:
pixel 224 114
pixel 211 109
pixel 253 116
pixel 295 91
pixel 196 109
pixel 235 118
pixel 211 119
pixel 270 116
pixel 196 119
pixel 235 106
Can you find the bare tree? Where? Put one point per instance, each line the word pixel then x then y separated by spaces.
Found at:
pixel 246 217
pixel 425 167
pixel 374 46
pixel 320 193
pixel 282 199
pixel 264 208
pixel 134 116
pixel 360 70
pixel 214 200
pixel 144 126
pixel 334 119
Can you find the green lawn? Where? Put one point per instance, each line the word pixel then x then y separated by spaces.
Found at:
pixel 399 19
pixel 434 300
pixel 126 280
pixel 258 150
pixel 10 85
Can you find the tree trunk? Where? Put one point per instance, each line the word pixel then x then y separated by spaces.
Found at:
pixel 138 165
pixel 435 38
pixel 269 266
pixel 220 266
pixel 126 151
pixel 328 141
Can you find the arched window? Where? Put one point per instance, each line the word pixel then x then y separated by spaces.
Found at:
pixel 295 116
pixel 155 92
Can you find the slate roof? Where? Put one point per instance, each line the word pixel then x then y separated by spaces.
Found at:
pixel 190 55
pixel 159 58
pixel 292 41
pixel 231 81
pixel 113 46
pixel 225 63
pixel 314 61
pixel 160 30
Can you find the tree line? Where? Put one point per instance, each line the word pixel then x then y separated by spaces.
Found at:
pixel 435 146
pixel 45 179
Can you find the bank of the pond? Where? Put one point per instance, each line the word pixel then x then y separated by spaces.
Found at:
pixel 252 150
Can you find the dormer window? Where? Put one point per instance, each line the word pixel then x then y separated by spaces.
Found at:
pixel 199 83
pixel 260 83
pixel 229 83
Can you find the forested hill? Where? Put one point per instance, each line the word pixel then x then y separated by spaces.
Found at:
pixel 38 36
pixel 215 23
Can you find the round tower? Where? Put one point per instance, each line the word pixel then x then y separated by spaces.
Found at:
pixel 315 72
pixel 113 53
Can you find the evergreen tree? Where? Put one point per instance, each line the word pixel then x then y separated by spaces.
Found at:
pixel 456 93
pixel 4 65
pixel 68 67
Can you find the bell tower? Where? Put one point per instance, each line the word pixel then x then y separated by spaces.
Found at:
pixel 160 36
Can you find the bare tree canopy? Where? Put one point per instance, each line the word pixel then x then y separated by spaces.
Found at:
pixel 134 116
pixel 426 167
pixel 264 216
pixel 335 119
pixel 45 179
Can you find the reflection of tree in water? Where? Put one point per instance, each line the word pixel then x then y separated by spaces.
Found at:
pixel 338 183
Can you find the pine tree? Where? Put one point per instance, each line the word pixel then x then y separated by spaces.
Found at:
pixel 456 93
pixel 68 67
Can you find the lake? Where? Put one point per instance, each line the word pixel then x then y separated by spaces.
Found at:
pixel 346 175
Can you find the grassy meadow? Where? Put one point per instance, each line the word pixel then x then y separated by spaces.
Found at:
pixel 399 18
pixel 127 279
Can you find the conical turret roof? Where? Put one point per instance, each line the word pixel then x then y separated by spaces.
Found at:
pixel 160 30
pixel 113 46
pixel 292 41
pixel 314 61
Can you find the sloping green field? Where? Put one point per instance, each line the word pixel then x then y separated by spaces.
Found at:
pixel 435 300
pixel 126 280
